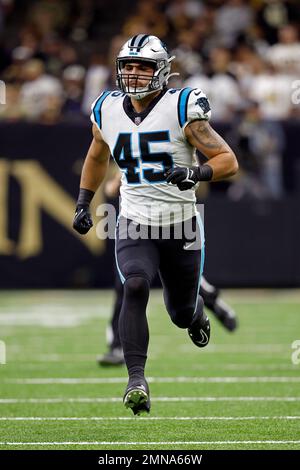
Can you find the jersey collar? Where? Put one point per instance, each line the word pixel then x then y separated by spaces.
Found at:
pixel 135 117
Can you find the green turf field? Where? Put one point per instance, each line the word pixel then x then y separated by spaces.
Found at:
pixel 241 392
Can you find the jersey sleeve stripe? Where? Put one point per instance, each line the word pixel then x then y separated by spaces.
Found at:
pixel 182 105
pixel 97 108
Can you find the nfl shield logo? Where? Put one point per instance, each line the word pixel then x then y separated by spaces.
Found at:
pixel 137 120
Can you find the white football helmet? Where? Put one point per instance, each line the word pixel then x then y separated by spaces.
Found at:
pixel 152 51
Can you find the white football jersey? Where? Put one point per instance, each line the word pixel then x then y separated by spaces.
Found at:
pixel 145 145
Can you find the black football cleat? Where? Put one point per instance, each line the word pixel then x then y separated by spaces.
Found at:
pixel 224 314
pixel 137 396
pixel 114 357
pixel 199 331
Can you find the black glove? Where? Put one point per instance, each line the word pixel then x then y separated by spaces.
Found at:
pixel 82 220
pixel 186 178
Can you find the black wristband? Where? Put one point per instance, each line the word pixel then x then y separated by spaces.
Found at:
pixel 85 196
pixel 205 172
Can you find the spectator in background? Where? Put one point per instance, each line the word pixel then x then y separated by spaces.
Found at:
pixel 50 50
pixel 147 13
pixel 73 82
pixel 19 57
pixel 271 90
pixel 68 55
pixel 57 54
pixel 260 144
pixel 219 85
pixel 12 111
pixel 29 38
pixel 256 39
pixel 41 94
pixel 274 14
pixel 96 80
pixel 233 18
pixel 245 64
pixel 49 15
pixel 182 13
pixel 188 59
pixel 285 55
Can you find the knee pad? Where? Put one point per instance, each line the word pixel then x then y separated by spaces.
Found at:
pixel 182 317
pixel 136 286
pixel 134 268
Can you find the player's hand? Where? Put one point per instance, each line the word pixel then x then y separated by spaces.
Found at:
pixel 185 178
pixel 82 220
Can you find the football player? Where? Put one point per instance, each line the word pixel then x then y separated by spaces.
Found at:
pixel 152 132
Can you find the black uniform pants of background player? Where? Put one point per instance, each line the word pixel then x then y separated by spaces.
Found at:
pixel 179 262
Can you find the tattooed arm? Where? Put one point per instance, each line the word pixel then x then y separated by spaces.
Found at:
pixel 221 157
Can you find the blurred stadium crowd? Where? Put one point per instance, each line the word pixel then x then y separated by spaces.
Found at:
pixel 56 56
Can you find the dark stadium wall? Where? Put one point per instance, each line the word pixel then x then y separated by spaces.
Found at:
pixel 248 243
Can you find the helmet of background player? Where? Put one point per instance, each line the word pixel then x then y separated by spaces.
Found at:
pixel 150 50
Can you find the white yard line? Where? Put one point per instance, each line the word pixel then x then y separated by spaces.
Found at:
pixel 147 443
pixel 7 401
pixel 147 418
pixel 114 380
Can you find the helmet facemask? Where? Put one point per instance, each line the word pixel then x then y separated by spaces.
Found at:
pixel 128 82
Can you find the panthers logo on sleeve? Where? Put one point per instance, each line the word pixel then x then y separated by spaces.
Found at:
pixel 204 104
pixel 193 105
pixel 198 106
